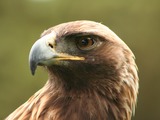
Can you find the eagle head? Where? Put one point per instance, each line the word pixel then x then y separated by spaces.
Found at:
pixel 92 74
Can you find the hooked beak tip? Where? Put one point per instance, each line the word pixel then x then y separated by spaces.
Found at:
pixel 33 67
pixel 33 72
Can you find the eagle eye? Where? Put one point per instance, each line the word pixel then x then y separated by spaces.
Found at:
pixel 85 43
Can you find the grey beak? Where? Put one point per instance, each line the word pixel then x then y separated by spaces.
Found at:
pixel 41 52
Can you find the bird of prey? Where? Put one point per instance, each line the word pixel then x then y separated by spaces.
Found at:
pixel 92 75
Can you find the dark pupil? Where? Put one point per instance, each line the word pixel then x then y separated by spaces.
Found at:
pixel 84 42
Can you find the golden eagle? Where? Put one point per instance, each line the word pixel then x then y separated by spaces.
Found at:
pixel 92 75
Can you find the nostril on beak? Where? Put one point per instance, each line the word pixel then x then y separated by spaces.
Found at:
pixel 50 40
pixel 49 44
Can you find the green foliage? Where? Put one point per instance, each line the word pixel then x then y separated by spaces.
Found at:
pixel 22 21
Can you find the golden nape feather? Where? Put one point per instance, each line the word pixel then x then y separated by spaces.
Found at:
pixel 92 75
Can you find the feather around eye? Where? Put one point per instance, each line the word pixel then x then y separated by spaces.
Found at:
pixel 86 43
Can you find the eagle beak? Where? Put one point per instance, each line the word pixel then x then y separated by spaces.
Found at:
pixel 43 53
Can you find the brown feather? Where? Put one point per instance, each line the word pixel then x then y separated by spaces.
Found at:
pixel 103 88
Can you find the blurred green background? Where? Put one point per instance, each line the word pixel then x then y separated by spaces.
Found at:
pixel 137 22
